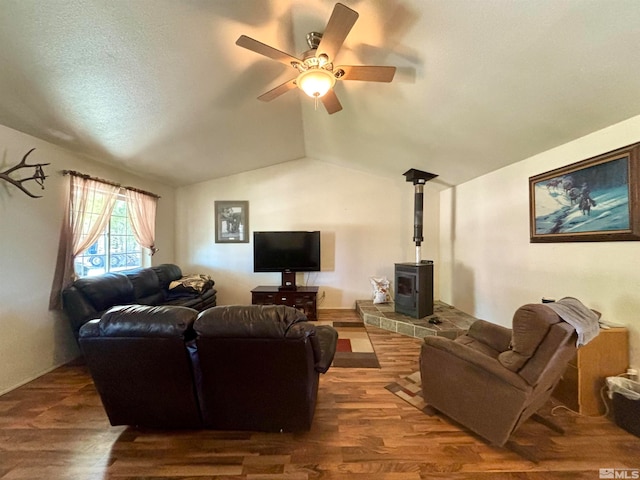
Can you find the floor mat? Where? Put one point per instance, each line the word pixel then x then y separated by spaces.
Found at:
pixel 354 349
pixel 409 389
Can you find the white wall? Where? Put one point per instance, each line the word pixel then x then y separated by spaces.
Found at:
pixel 489 267
pixel 35 340
pixel 366 225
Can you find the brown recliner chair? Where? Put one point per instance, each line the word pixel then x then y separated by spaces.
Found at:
pixel 494 378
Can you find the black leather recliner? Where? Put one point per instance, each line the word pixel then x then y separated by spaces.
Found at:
pixel 140 361
pixel 233 368
pixel 260 367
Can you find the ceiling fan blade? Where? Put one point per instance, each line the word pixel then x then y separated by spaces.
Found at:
pixel 331 102
pixel 338 27
pixel 279 90
pixel 367 73
pixel 264 49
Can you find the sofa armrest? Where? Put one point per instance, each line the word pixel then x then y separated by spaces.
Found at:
pixel 490 366
pixel 495 336
pixel 166 273
pixel 77 308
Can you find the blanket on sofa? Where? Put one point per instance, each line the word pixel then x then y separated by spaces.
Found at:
pixel 190 284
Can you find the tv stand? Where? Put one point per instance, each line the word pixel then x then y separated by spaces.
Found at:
pixel 288 281
pixel 302 298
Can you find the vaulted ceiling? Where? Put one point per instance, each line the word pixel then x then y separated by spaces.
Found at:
pixel 159 87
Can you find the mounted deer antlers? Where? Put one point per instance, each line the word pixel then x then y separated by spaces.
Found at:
pixel 38 174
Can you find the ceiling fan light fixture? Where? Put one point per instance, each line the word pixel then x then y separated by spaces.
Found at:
pixel 316 82
pixel 316 73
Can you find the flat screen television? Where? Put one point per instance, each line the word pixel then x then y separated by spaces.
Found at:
pixel 287 252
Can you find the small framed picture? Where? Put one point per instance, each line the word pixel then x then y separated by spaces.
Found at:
pixel 232 221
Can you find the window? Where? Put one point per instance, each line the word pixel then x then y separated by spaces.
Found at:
pixel 97 236
pixel 116 249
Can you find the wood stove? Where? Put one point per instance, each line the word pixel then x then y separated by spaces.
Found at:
pixel 413 286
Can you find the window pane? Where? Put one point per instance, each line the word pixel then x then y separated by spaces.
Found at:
pixel 92 261
pixel 116 249
pixel 125 252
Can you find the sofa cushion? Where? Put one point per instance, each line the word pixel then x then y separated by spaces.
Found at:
pixel 167 273
pixel 146 286
pixel 106 290
pixel 145 281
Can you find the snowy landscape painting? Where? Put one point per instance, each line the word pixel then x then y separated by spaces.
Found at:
pixel 588 201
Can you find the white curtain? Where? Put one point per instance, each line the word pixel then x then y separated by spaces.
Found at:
pixel 92 203
pixel 86 215
pixel 142 213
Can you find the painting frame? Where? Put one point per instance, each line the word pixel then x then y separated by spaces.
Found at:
pixel 565 224
pixel 232 221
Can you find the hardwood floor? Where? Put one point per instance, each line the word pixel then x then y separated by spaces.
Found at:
pixel 55 428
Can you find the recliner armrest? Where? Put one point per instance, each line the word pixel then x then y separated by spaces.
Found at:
pixel 324 342
pixel 495 336
pixel 90 329
pixel 489 365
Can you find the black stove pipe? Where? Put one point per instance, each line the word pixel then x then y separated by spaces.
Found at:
pixel 418 213
pixel 419 178
pixel 418 198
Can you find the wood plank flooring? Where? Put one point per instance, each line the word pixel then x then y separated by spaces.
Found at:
pixel 55 428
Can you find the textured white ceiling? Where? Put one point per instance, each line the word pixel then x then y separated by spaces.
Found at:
pixel 159 87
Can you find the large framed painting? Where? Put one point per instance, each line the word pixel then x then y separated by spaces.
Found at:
pixel 232 221
pixel 593 200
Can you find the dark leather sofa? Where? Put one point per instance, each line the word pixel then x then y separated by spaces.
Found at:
pixel 248 367
pixel 88 298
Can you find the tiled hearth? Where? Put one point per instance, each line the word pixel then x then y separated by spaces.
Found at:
pixel 453 321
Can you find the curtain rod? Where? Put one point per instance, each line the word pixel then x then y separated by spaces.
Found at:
pixel 108 182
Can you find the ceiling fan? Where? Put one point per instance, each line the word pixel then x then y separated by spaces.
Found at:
pixel 317 74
